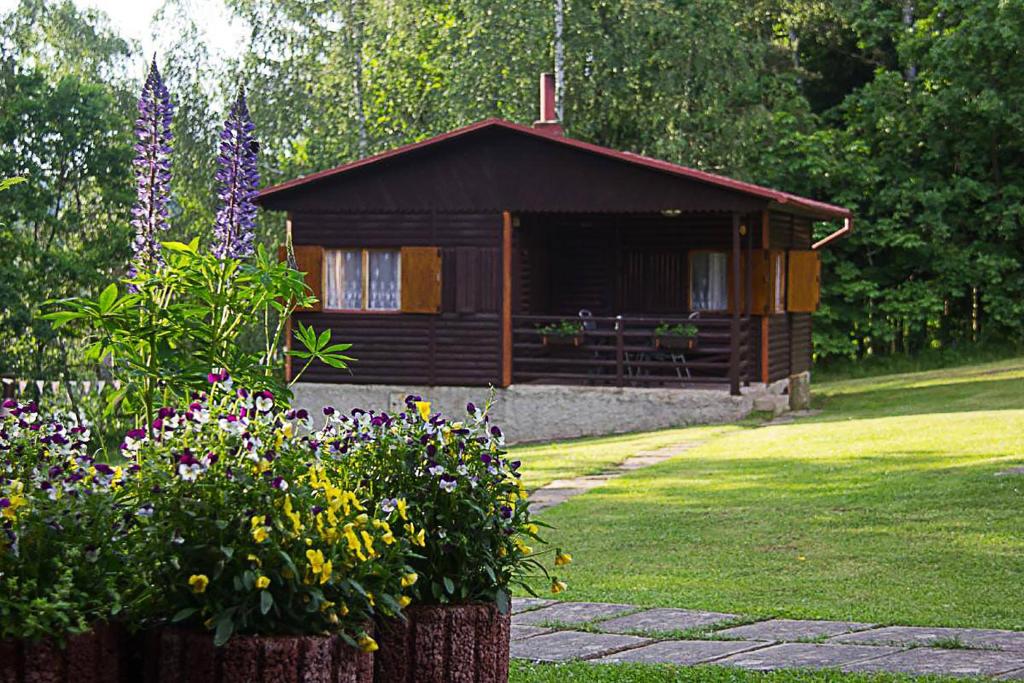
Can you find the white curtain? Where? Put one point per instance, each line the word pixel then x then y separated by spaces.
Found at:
pixel 384 280
pixel 709 281
pixel 343 279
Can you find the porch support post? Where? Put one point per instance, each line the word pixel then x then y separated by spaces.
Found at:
pixel 506 298
pixel 766 316
pixel 734 337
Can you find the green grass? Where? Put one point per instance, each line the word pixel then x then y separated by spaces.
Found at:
pixel 649 673
pixel 544 463
pixel 884 508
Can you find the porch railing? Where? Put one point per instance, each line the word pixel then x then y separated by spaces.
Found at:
pixel 625 351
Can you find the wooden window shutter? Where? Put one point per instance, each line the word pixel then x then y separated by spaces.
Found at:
pixel 421 280
pixel 761 281
pixel 310 260
pixel 803 287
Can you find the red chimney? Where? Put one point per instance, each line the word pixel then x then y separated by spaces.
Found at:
pixel 548 122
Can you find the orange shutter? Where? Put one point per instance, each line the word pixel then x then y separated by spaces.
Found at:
pixel 803 287
pixel 421 280
pixel 761 281
pixel 310 260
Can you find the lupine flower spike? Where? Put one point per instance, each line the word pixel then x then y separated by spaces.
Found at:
pixel 152 170
pixel 238 179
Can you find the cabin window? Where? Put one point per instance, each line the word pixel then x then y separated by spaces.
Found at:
pixel 709 281
pixel 362 279
pixel 779 282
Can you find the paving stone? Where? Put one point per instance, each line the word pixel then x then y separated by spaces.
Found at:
pixel 913 636
pixel 563 646
pixel 522 631
pixel 792 629
pixel 682 652
pixel 1012 471
pixel 805 656
pixel 663 620
pixel 933 660
pixel 527 604
pixel 571 613
pixel 1017 675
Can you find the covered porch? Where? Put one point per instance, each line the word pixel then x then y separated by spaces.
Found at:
pixel 634 299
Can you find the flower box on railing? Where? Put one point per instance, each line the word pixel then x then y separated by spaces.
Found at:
pixel 562 340
pixel 675 342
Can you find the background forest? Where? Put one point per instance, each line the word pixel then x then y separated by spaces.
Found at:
pixel 907 111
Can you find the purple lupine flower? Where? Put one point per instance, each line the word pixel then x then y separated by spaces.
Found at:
pixel 152 170
pixel 239 179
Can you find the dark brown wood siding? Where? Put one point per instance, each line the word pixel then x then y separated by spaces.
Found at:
pixel 461 345
pixel 800 342
pixel 778 347
pixel 789 339
pixel 499 170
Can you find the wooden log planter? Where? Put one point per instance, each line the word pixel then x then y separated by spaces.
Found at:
pixel 562 340
pixel 444 644
pixel 92 657
pixel 675 342
pixel 174 655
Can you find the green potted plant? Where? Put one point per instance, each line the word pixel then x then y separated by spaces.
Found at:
pixel 676 337
pixel 454 486
pixel 562 333
pixel 263 562
pixel 63 556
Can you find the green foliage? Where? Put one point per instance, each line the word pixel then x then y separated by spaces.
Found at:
pixel 677 330
pixel 62 528
pixel 909 118
pixel 172 328
pixel 251 532
pixel 457 491
pixel 563 328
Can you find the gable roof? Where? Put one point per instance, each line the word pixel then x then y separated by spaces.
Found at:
pixel 811 206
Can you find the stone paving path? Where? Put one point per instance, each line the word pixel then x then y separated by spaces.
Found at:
pixel 551 631
pixel 561 490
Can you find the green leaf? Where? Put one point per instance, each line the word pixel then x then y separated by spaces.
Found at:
pixel 266 601
pixel 225 629
pixel 502 600
pixel 182 615
pixel 449 585
pixel 107 297
pixel 181 247
pixel 61 318
pixel 7 183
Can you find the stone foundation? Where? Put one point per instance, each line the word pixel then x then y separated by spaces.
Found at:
pixel 534 412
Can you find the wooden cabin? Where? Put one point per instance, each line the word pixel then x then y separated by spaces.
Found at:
pixel 500 253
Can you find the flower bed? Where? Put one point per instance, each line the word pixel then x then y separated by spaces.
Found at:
pixel 233 542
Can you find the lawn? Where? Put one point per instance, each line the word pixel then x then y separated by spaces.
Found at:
pixel 579 457
pixel 884 508
pixel 647 673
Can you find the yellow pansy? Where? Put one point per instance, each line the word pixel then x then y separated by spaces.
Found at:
pixel 562 559
pixel 404 601
pixel 403 509
pixel 292 516
pixel 424 409
pixel 262 582
pixel 558 586
pixel 259 530
pixel 319 566
pixel 366 643
pixel 418 537
pixel 198 583
pixel 255 560
pixel 523 548
pixel 532 529
pixel 409 579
